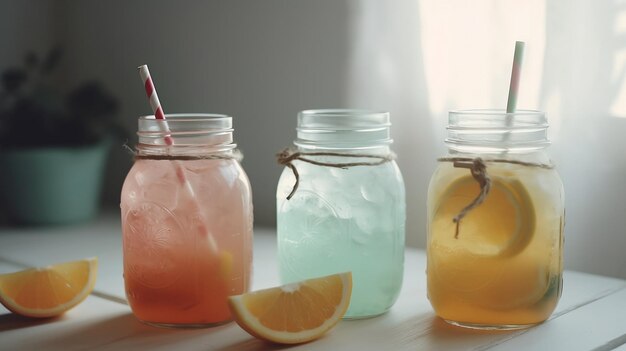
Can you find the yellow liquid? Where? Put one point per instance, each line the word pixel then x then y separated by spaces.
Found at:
pixel 504 269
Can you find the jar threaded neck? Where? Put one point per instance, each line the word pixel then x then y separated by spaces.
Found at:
pixel 343 129
pixel 191 133
pixel 492 131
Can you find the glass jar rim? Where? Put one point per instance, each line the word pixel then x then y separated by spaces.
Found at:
pixel 343 128
pixel 340 118
pixel 495 112
pixel 343 112
pixel 495 130
pixel 213 118
pixel 182 121
pixel 496 119
pixel 185 131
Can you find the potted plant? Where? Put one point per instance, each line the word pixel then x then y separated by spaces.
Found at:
pixel 53 145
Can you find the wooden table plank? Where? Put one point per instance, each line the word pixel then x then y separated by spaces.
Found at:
pixel 597 325
pixel 619 348
pixel 92 323
pixel 587 301
pixel 38 246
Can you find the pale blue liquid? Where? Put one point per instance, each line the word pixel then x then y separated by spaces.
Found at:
pixel 345 220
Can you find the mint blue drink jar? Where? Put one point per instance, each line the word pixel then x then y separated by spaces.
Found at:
pixel 341 206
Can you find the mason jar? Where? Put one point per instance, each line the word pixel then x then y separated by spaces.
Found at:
pixel 186 221
pixel 341 206
pixel 495 222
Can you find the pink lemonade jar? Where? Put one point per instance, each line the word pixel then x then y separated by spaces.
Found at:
pixel 186 222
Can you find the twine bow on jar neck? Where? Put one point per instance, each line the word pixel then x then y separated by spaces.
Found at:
pixel 478 169
pixel 288 155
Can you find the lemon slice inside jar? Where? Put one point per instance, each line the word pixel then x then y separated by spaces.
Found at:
pixel 502 226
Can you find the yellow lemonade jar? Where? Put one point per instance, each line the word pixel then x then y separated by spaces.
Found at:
pixel 495 222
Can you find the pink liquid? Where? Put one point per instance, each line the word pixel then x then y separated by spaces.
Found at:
pixel 185 254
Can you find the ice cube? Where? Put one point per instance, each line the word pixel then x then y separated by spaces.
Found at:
pixel 308 203
pixel 373 192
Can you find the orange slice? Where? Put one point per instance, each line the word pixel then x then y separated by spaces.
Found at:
pixel 502 226
pixel 49 291
pixel 294 313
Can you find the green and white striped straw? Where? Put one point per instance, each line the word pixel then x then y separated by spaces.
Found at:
pixel 511 104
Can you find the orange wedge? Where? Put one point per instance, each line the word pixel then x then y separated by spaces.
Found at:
pixel 49 291
pixel 502 226
pixel 294 313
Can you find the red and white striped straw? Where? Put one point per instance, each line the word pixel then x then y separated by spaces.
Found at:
pixel 153 97
pixel 158 114
pixel 180 172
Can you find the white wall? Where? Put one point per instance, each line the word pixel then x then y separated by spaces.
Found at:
pixel 260 62
pixel 263 61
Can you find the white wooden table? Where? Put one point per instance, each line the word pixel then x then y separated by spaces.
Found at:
pixel 591 314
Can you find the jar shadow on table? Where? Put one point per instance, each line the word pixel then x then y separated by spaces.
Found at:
pixel 427 329
pixel 73 330
pixel 12 321
pixel 254 344
pixel 440 331
pixel 126 331
pixel 445 330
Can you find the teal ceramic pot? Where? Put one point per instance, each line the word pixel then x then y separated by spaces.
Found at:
pixel 56 185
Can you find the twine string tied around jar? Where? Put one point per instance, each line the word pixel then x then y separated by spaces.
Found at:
pixel 478 169
pixel 288 155
pixel 235 154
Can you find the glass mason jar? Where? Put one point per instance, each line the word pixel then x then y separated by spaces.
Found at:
pixel 495 222
pixel 186 221
pixel 348 218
